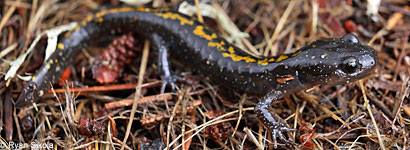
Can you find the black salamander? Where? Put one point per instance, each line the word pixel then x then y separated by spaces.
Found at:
pixel 325 61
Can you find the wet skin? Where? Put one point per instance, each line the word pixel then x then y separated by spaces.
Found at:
pixel 325 61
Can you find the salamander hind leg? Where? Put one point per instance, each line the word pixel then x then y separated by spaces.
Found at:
pixel 163 64
pixel 262 112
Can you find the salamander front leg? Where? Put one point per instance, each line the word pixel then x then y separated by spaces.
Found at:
pixel 266 117
pixel 163 64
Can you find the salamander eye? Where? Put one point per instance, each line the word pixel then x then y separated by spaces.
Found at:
pixel 350 38
pixel 350 65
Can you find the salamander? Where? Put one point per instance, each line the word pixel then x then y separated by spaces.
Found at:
pixel 326 61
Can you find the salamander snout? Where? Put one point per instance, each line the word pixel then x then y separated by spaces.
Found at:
pixel 368 62
pixel 26 96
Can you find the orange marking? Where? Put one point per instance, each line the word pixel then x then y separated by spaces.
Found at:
pixel 217 45
pixel 83 23
pixel 99 19
pixel 66 74
pixel 126 9
pixel 199 31
pixel 101 13
pixel 150 9
pixel 283 57
pixel 282 80
pixel 263 62
pixel 89 18
pixel 297 53
pixel 235 57
pixel 231 50
pixel 175 16
pixel 77 28
pixel 214 36
pixel 60 46
pixel 67 34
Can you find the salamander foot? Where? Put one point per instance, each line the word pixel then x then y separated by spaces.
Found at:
pixel 262 112
pixel 277 130
pixel 171 79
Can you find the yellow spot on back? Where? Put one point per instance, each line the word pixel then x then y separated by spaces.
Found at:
pixel 283 57
pixel 48 66
pixel 214 36
pixel 51 61
pixel 199 31
pixel 217 45
pixel 129 9
pixel 60 46
pixel 83 23
pixel 114 10
pixel 33 77
pixel 150 9
pixel 125 9
pixel 297 53
pixel 89 18
pixel 235 57
pixel 175 16
pixel 263 62
pixel 101 13
pixel 67 34
pixel 99 19
pixel 77 28
pixel 56 60
pixel 231 50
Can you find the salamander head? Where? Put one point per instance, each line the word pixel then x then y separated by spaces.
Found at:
pixel 338 61
pixel 29 93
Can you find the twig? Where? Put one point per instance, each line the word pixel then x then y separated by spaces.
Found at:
pixel 141 73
